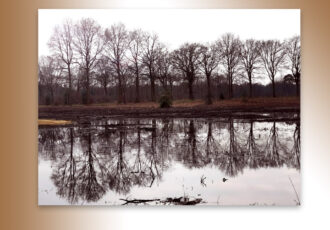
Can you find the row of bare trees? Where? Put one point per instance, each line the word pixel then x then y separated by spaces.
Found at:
pixel 84 55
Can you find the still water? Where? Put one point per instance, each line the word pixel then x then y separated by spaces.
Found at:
pixel 215 161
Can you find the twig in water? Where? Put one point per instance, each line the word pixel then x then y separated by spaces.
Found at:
pixel 218 199
pixel 298 200
pixel 203 180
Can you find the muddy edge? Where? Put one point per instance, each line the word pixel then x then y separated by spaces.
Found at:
pixel 95 112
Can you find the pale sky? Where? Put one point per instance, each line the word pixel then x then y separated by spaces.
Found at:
pixel 177 26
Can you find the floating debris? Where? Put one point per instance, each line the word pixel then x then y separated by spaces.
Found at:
pixel 175 201
pixel 138 201
pixel 203 180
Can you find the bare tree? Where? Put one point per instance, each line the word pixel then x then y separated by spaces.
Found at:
pixel 163 64
pixel 116 46
pixel 220 80
pixel 229 48
pixel 80 79
pixel 89 45
pixel 49 75
pixel 293 52
pixel 61 44
pixel 136 55
pixel 103 73
pixel 186 59
pixel 273 57
pixel 149 59
pixel 250 59
pixel 209 61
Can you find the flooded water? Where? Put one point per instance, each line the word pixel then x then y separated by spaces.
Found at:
pixel 216 161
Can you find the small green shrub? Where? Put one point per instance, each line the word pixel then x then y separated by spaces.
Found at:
pixel 165 101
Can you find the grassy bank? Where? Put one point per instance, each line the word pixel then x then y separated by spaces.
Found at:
pixel 241 107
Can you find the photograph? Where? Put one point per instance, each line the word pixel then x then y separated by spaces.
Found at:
pixel 167 107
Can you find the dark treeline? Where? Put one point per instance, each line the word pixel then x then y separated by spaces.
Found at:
pixel 179 92
pixel 89 64
pixel 117 155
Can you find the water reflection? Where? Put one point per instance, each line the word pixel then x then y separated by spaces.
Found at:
pixel 89 160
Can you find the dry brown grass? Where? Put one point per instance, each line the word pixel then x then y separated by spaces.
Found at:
pixel 129 105
pixel 53 122
pixel 241 102
pixel 187 103
pixel 109 105
pixel 259 101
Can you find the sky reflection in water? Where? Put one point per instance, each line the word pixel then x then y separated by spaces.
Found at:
pixel 102 162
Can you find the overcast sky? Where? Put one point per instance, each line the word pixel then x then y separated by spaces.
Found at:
pixel 177 26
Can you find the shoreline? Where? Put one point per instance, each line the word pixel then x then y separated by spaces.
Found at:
pixel 255 108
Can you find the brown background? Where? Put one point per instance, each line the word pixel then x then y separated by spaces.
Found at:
pixel 18 117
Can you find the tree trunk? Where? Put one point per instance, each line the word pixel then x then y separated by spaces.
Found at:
pixel 87 86
pixel 209 93
pixel 230 86
pixel 70 85
pixel 120 93
pixel 165 87
pixel 124 92
pixel 191 93
pixel 171 89
pixel 78 87
pixel 273 85
pixel 297 80
pixel 298 89
pixel 250 84
pixel 152 88
pixel 105 89
pixel 137 88
pixel 219 89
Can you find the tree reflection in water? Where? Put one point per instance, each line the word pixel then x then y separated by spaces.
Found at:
pixel 89 160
